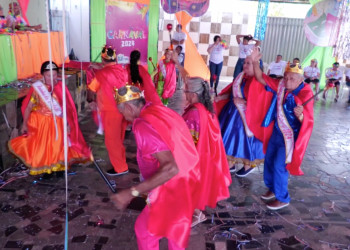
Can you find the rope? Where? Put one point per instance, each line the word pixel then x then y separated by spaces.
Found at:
pixel 65 132
pixel 50 59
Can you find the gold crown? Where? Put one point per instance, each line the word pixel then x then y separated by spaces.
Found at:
pixel 130 95
pixel 105 55
pixel 294 68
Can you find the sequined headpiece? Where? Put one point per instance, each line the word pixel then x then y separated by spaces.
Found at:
pixel 105 55
pixel 130 95
pixel 294 68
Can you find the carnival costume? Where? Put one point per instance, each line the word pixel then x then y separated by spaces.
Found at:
pixel 106 80
pixel 171 205
pixel 215 176
pixel 165 80
pixel 42 149
pixel 240 143
pixel 285 136
pixel 147 86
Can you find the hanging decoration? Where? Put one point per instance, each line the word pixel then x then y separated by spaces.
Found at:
pixel 194 8
pixel 261 19
pixel 321 23
pixel 342 46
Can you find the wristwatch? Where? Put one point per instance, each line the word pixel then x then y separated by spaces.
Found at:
pixel 134 192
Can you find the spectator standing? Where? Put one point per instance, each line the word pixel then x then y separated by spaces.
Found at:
pixel 245 49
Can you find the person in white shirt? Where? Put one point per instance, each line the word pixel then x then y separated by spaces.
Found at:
pixel 347 78
pixel 179 39
pixel 216 59
pixel 312 75
pixel 333 76
pixel 245 49
pixel 276 68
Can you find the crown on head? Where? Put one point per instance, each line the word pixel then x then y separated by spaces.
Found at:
pixel 105 55
pixel 130 95
pixel 294 68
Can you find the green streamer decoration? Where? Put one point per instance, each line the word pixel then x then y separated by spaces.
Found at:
pixel 153 33
pixel 98 28
pixel 8 66
pixel 324 56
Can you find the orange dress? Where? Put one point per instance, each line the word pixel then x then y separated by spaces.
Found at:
pixel 40 150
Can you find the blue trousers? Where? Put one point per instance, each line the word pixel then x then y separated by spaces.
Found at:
pixel 239 67
pixel 275 172
pixel 215 69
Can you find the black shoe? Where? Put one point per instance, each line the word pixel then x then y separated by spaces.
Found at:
pixel 46 176
pixel 243 173
pixel 349 101
pixel 59 174
pixel 233 169
pixel 111 172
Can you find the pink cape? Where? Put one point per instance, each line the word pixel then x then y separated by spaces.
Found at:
pixel 173 203
pixel 215 174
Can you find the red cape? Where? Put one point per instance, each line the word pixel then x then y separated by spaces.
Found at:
pixel 215 174
pixel 110 77
pixel 228 91
pixel 76 138
pixel 170 79
pixel 171 211
pixel 148 85
pixel 259 101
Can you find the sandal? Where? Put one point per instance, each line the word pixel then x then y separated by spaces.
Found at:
pixel 196 219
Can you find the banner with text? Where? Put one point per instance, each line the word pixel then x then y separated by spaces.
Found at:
pixel 127 29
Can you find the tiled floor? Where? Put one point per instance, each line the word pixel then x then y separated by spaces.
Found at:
pixel 33 211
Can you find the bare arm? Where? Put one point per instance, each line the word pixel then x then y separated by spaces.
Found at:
pixel 167 170
pixel 24 128
pixel 181 69
pixel 175 42
pixel 238 38
pixel 256 56
pixel 257 42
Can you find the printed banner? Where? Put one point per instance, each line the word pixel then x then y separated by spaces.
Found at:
pixel 127 29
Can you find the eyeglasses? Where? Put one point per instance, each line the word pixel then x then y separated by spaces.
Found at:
pixel 294 65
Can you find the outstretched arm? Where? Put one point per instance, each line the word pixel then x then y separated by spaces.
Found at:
pixel 256 56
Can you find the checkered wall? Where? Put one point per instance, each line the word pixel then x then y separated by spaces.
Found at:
pixel 203 29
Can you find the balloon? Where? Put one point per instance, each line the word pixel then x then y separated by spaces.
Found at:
pixel 321 21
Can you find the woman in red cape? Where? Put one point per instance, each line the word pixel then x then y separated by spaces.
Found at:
pixel 40 146
pixel 139 77
pixel 165 79
pixel 205 130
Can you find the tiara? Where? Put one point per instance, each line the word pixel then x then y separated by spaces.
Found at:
pixel 105 55
pixel 50 66
pixel 294 68
pixel 130 95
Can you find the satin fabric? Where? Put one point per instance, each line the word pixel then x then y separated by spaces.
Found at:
pixel 242 148
pixel 169 81
pixel 255 116
pixel 76 138
pixel 114 124
pixel 172 204
pixel 39 150
pixel 215 177
pixel 150 92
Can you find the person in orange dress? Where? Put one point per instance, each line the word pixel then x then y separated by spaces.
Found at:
pixel 139 77
pixel 108 78
pixel 41 146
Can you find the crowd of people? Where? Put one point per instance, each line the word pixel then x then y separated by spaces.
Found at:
pixel 186 161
